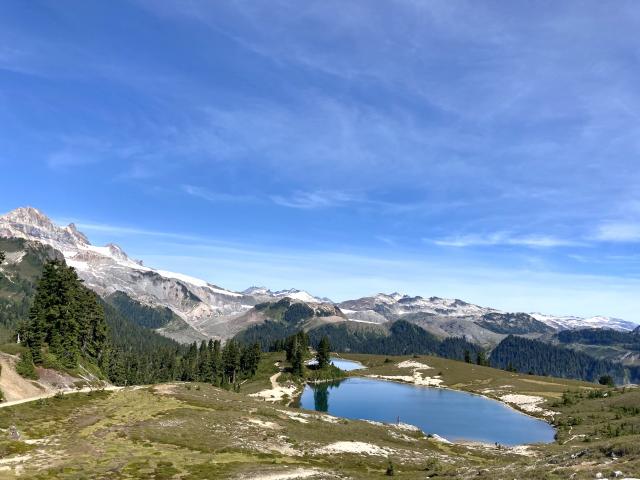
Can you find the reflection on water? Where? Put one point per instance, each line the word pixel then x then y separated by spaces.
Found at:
pixel 451 414
pixel 321 395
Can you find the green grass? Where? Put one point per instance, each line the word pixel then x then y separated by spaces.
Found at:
pixel 12 348
pixel 196 431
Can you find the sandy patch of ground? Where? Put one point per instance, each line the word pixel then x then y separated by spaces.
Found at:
pixel 362 448
pixel 264 424
pixel 539 382
pixel 306 417
pixel 396 429
pixel 13 386
pixel 528 403
pixel 277 392
pixel 165 388
pixel 295 474
pixel 16 459
pixel 17 389
pixel 416 379
pixel 298 417
pixel 406 427
pixel 438 438
pixel 523 450
pixel 414 364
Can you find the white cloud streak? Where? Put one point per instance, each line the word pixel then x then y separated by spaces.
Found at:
pixel 622 232
pixel 506 238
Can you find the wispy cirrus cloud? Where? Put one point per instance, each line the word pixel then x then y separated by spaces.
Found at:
pixel 316 199
pixel 505 239
pixel 124 231
pixel 215 197
pixel 77 151
pixel 623 232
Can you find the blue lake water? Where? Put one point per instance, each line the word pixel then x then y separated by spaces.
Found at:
pixel 342 364
pixel 346 365
pixel 453 415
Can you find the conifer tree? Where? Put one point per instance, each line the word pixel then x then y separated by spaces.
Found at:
pixel 482 359
pixel 230 361
pixel 216 362
pixel 204 363
pixel 323 355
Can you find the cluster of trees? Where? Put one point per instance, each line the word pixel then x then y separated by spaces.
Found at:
pixel 601 336
pixel 481 358
pixel 66 319
pixel 538 358
pixel 18 282
pixel 403 338
pixel 69 324
pixel 222 366
pixel 296 348
pixel 323 355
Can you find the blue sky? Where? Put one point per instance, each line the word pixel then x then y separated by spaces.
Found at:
pixel 482 150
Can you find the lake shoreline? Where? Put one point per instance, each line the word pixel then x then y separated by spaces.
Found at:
pixel 360 373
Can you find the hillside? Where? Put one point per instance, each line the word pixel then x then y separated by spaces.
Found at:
pixel 606 344
pixel 539 358
pixel 19 274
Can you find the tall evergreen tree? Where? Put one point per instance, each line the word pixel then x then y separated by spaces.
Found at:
pixel 323 355
pixel 66 318
pixel 216 362
pixel 204 363
pixel 467 356
pixel 482 359
pixel 230 361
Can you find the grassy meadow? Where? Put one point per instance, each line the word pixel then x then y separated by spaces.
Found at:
pixel 196 431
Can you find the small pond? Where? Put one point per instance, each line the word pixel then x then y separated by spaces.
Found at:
pixel 453 415
pixel 346 365
pixel 342 364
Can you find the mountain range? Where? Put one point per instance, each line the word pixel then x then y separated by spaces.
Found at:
pixel 205 310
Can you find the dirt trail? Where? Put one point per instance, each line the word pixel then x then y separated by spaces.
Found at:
pixel 109 388
pixel 12 385
pixel 277 392
pixel 17 389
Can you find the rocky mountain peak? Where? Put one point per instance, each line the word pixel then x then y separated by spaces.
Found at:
pixel 29 216
pixel 77 234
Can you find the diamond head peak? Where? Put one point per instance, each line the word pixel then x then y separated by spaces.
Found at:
pixel 319 240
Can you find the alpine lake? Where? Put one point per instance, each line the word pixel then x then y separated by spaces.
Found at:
pixel 453 415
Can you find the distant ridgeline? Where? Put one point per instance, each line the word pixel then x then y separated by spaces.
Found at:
pixel 401 338
pixel 285 318
pixel 65 325
pixel 539 358
pixel 600 336
pixel 68 327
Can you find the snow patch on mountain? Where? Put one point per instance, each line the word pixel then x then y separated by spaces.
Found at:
pixel 574 323
pixel 291 293
pixel 397 305
pixel 107 269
